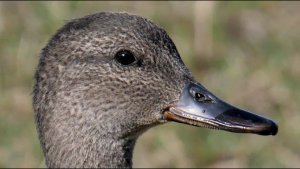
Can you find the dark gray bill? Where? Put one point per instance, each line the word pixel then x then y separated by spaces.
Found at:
pixel 197 106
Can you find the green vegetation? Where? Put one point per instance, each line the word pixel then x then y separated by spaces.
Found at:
pixel 253 63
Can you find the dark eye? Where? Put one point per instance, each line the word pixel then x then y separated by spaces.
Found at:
pixel 125 57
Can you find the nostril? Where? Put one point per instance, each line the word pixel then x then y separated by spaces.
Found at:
pixel 199 96
pixel 202 98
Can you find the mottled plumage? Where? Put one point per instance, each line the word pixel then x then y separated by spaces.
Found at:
pixel 89 108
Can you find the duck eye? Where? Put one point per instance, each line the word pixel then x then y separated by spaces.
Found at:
pixel 125 57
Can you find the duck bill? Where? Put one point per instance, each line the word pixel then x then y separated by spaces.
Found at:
pixel 199 107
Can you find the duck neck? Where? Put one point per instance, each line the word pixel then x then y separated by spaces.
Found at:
pixel 114 153
pixel 92 153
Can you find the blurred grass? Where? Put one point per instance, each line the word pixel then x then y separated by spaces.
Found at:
pixel 254 63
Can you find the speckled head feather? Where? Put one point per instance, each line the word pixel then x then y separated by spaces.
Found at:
pixel 105 78
pixel 85 101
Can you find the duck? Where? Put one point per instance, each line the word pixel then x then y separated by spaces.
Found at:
pixel 104 79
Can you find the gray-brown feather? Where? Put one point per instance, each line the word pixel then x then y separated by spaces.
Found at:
pixel 89 108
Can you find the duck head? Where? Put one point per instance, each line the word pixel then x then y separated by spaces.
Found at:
pixel 114 75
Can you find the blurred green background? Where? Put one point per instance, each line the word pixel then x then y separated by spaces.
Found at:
pixel 247 53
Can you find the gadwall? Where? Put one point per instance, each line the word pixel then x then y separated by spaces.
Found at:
pixel 104 79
